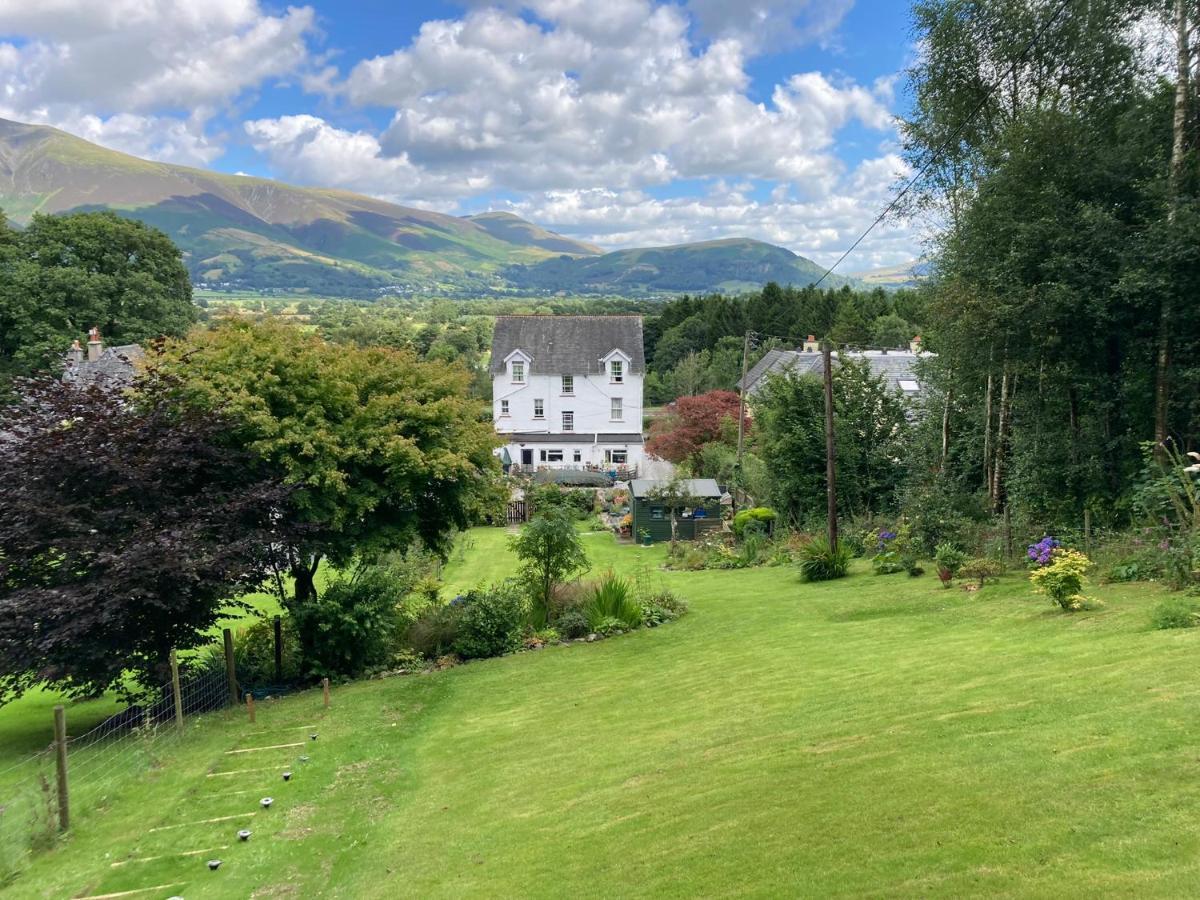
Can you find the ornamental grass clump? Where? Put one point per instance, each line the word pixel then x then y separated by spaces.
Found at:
pixel 1062 578
pixel 613 600
pixel 821 562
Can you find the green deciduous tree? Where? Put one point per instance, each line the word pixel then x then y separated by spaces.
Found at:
pixel 381 447
pixel 64 274
pixel 550 552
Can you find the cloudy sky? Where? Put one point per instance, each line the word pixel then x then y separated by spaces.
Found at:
pixel 624 122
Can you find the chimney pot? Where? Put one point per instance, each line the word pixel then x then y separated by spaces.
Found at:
pixel 75 354
pixel 811 345
pixel 95 344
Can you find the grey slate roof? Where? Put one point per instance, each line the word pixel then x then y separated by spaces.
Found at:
pixel 697 487
pixel 572 437
pixel 568 345
pixel 893 366
pixel 115 367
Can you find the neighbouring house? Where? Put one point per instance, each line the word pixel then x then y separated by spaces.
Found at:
pixel 654 517
pixel 898 368
pixel 567 392
pixel 114 367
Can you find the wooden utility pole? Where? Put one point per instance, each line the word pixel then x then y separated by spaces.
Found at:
pixel 830 449
pixel 741 421
pixel 230 668
pixel 325 690
pixel 987 433
pixel 250 706
pixel 60 762
pixel 176 694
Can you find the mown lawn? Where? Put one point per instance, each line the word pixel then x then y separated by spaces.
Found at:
pixel 876 736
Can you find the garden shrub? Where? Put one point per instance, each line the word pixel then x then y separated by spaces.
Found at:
pixel 607 626
pixel 613 598
pixel 1062 579
pixel 351 627
pixel 578 503
pixel 821 562
pixel 981 568
pixel 435 631
pixel 662 606
pixel 888 559
pixel 254 652
pixel 491 621
pixel 1176 612
pixel 949 560
pixel 571 624
pixel 758 519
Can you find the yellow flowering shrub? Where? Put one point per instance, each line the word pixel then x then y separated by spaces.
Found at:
pixel 1063 578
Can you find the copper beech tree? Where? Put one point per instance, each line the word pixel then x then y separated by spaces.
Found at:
pixel 126 528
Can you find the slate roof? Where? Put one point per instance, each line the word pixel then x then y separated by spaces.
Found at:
pixel 893 366
pixel 568 345
pixel 572 437
pixel 697 487
pixel 115 367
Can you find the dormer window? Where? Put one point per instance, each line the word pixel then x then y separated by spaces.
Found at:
pixel 616 370
pixel 518 371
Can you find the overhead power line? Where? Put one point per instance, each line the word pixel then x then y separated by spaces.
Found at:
pixel 954 136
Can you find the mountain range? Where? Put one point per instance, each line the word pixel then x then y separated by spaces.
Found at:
pixel 252 233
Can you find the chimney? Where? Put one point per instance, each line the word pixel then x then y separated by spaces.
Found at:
pixel 75 354
pixel 812 345
pixel 95 345
pixel 915 344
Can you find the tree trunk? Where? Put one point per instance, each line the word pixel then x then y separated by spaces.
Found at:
pixel 1179 148
pixel 946 429
pixel 998 492
pixel 304 574
pixel 987 435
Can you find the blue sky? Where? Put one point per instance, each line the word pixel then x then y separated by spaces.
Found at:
pixel 624 122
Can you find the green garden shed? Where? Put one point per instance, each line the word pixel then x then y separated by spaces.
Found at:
pixel 654 516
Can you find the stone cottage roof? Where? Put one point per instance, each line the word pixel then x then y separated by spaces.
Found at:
pixel 568 345
pixel 896 367
pixel 116 367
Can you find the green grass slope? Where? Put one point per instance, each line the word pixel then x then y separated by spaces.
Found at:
pixel 731 264
pixel 262 233
pixel 877 736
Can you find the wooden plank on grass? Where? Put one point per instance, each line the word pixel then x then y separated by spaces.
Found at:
pixel 204 821
pixel 145 890
pixel 146 859
pixel 260 749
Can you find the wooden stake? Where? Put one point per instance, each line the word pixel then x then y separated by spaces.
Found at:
pixel 60 760
pixel 230 669
pixel 278 650
pixel 250 706
pixel 325 689
pixel 176 694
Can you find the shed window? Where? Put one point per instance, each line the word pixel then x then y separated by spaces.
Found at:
pixel 656 512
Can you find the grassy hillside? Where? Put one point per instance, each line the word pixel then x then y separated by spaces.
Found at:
pixel 262 233
pixel 727 265
pixel 877 736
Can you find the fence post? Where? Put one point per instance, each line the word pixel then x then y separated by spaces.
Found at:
pixel 60 761
pixel 175 691
pixel 230 671
pixel 250 706
pixel 278 650
pixel 325 689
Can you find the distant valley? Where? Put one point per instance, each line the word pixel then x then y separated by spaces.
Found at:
pixel 247 233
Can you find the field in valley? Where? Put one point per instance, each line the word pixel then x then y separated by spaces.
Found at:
pixel 872 736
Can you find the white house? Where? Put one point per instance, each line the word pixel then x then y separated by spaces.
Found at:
pixel 567 391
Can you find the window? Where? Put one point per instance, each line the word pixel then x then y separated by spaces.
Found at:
pixel 568 420
pixel 568 386
pixel 619 457
pixel 518 371
pixel 554 456
pixel 617 412
pixel 542 456
pixel 539 409
pixel 504 407
pixel 656 512
pixel 577 456
pixel 909 387
pixel 618 371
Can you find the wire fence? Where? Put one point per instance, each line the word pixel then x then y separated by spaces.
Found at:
pixel 99 764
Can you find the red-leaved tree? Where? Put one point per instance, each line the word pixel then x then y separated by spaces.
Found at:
pixel 694 422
